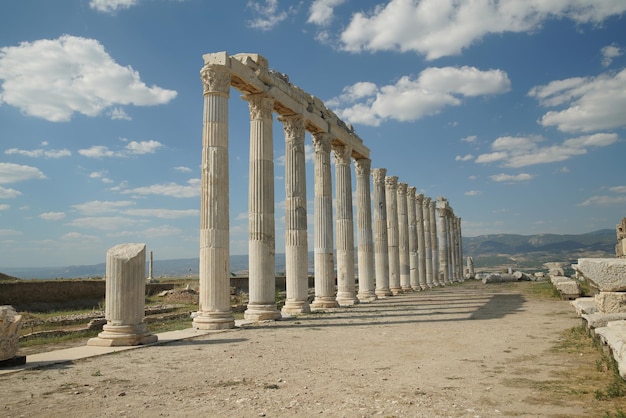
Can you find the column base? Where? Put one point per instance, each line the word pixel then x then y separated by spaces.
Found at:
pixel 423 286
pixel 294 307
pixel 324 302
pixel 261 313
pixel 123 335
pixel 365 297
pixel 407 289
pixel 416 288
pixel 347 299
pixel 214 320
pixel 383 293
pixel 396 290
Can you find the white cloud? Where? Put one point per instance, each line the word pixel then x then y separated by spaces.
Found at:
pixel 12 173
pixel 77 236
pixel 511 178
pixel 412 99
pixel 6 193
pixel 104 223
pixel 95 207
pixel 55 78
pixel 470 139
pixel 473 193
pixel 524 151
pixel 604 201
pixel 9 232
pixel 132 148
pixel 192 189
pixel 609 52
pixel 102 175
pixel 111 6
pixel 163 213
pixel 592 103
pixel 321 11
pixel 4 207
pixel 52 216
pixel 40 152
pixel 183 169
pixel 119 114
pixel 618 189
pixel 467 157
pixel 437 28
pixel 161 231
pixel 268 14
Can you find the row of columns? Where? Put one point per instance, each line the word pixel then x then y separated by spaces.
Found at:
pixel 400 252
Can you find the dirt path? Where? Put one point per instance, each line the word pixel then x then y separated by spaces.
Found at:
pixel 462 351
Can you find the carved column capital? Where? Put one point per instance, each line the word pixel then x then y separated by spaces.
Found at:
pixel 391 182
pixel 410 192
pixel 343 154
pixel 362 166
pixel 321 142
pixel 426 201
pixel 215 79
pixel 420 198
pixel 402 188
pixel 378 175
pixel 293 125
pixel 261 105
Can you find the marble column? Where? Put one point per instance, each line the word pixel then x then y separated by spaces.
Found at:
pixel 428 253
pixel 381 244
pixel 261 228
pixel 434 242
pixel 403 238
pixel 365 242
pixel 323 238
pixel 391 193
pixel 346 288
pixel 459 249
pixel 125 298
pixel 413 263
pixel 442 212
pixel 421 243
pixel 296 244
pixel 214 274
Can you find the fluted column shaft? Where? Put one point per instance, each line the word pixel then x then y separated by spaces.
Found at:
pixel 364 231
pixel 421 243
pixel 403 238
pixel 391 192
pixel 296 243
pixel 346 288
pixel 413 261
pixel 261 228
pixel 434 242
pixel 381 251
pixel 459 249
pixel 428 245
pixel 214 273
pixel 442 213
pixel 323 238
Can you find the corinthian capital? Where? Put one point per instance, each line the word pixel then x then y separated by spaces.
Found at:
pixel 342 154
pixel 321 142
pixel 293 126
pixel 391 182
pixel 378 175
pixel 215 78
pixel 261 106
pixel 402 189
pixel 362 166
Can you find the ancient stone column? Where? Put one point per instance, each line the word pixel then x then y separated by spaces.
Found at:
pixel 459 248
pixel 214 275
pixel 434 242
pixel 442 212
pixel 365 242
pixel 261 228
pixel 125 298
pixel 403 238
pixel 323 238
pixel 428 253
pixel 296 244
pixel 381 252
pixel 421 243
pixel 391 192
pixel 346 289
pixel 413 263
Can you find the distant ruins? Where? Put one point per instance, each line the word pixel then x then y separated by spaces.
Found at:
pixel 413 243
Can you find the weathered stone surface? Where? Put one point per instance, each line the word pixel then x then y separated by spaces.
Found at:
pixel 492 278
pixel 614 336
pixel 607 274
pixel 599 320
pixel 569 289
pixel 10 323
pixel 584 305
pixel 555 268
pixel 611 302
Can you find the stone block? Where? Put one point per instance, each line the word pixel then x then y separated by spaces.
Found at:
pixel 569 289
pixel 599 320
pixel 10 323
pixel 614 336
pixel 607 274
pixel 584 305
pixel 611 302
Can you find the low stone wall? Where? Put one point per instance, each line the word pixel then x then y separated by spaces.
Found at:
pixel 44 295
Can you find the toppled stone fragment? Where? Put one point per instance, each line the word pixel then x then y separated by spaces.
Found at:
pixel 607 274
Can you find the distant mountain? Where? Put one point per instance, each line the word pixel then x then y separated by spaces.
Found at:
pixel 531 251
pixel 490 252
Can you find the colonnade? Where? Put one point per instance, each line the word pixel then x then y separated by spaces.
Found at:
pixel 405 248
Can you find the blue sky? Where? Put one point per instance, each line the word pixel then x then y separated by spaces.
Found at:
pixel 513 110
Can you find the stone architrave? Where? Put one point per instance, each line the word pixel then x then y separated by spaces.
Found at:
pixel 413 261
pixel 296 244
pixel 10 323
pixel 421 242
pixel 607 274
pixel 434 242
pixel 125 298
pixel 428 245
pixel 261 227
pixel 444 261
pixel 346 288
pixel 365 241
pixel 381 243
pixel 403 238
pixel 214 274
pixel 391 192
pixel 323 224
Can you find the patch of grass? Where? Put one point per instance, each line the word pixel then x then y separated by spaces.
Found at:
pixel 271 386
pixel 543 289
